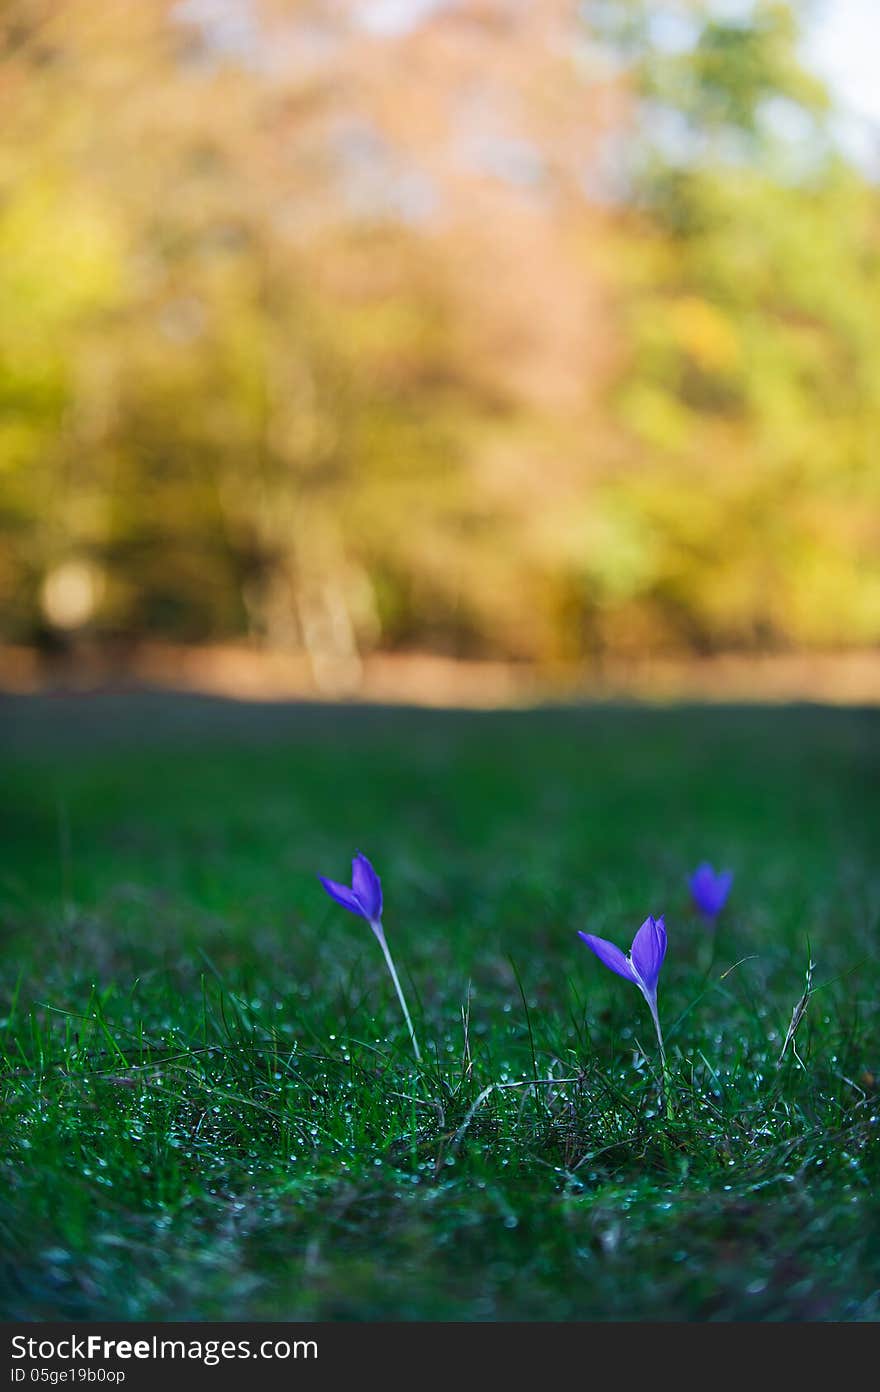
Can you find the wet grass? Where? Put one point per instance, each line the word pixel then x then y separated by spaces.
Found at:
pixel 210 1107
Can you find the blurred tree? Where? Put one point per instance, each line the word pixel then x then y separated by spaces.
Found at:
pixel 495 333
pixel 750 385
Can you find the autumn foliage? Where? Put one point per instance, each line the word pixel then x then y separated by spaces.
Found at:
pixel 507 332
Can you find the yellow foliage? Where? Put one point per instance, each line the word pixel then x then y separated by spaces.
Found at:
pixel 704 333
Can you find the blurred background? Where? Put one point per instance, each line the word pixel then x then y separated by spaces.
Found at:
pixel 458 349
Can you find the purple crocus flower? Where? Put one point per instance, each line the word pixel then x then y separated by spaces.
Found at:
pixel 641 965
pixel 709 890
pixel 364 898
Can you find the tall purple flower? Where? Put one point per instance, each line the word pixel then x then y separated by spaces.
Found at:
pixel 709 889
pixel 641 965
pixel 364 898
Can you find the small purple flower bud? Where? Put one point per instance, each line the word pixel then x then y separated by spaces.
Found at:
pixel 364 898
pixel 642 963
pixel 709 890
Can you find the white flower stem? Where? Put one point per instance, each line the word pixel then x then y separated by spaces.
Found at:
pixel 389 962
pixel 667 1102
pixel 656 1018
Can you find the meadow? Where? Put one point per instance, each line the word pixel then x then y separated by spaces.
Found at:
pixel 210 1105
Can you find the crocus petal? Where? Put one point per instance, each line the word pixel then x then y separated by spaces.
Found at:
pixel 725 880
pixel 701 876
pixel 648 951
pixel 367 886
pixel 344 896
pixel 709 890
pixel 610 956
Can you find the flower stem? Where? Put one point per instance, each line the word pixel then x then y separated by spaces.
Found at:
pixel 389 962
pixel 667 1100
pixel 706 957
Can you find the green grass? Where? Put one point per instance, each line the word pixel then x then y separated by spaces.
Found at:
pixel 210 1107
